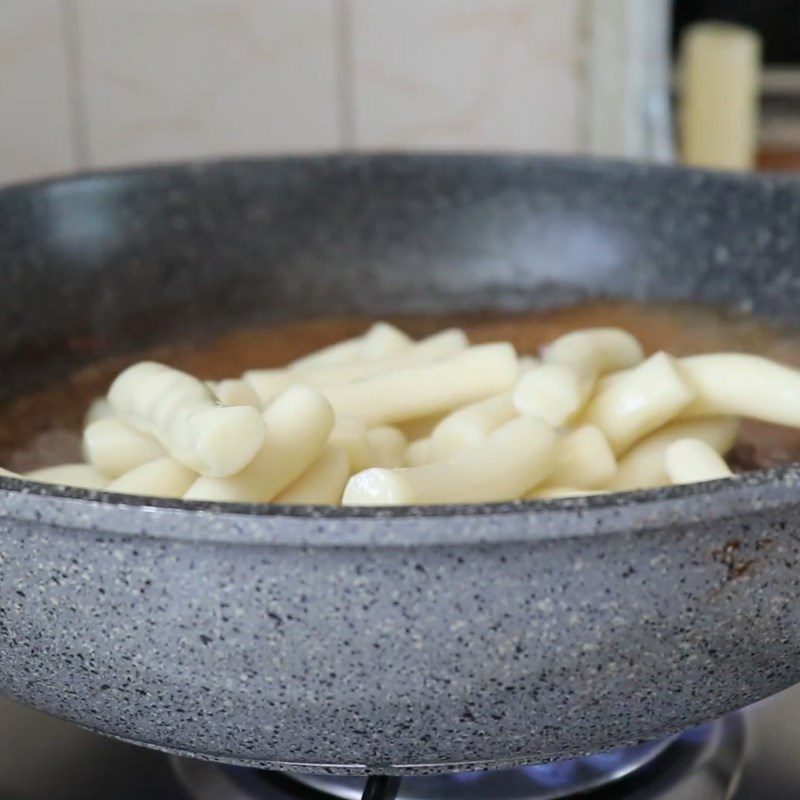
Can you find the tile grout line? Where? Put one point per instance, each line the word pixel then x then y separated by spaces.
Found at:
pixel 583 24
pixel 75 84
pixel 344 73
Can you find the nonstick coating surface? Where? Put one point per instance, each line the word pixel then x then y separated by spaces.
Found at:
pixel 418 639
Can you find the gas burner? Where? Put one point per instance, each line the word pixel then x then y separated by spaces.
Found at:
pixel 705 762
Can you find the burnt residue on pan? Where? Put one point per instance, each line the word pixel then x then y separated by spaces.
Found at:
pixel 736 565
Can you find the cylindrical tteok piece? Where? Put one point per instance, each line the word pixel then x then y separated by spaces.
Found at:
pixel 420 452
pixel 745 386
pixel 718 95
pixel 163 477
pixel 584 460
pixel 267 384
pixel 644 465
pixel 387 447
pixel 471 424
pixel 646 398
pixel 607 381
pixel 434 348
pixel 403 394
pixel 98 409
pixel 81 476
pixel 181 412
pixel 342 352
pixel 382 339
pixel 419 427
pixel 113 447
pixel 4 473
pixel 298 425
pixel 235 392
pixel 351 433
pixel 323 482
pixel 593 352
pixel 552 392
pixel 692 461
pixel 512 460
pixel 559 389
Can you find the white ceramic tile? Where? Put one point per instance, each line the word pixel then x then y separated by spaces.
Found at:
pixel 184 78
pixel 628 65
pixel 35 130
pixel 473 74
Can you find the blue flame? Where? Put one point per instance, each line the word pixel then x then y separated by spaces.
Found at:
pixel 698 734
pixel 467 777
pixel 562 777
pixel 557 774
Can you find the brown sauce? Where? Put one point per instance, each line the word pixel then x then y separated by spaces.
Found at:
pixel 42 428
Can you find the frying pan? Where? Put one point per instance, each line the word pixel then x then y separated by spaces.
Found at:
pixel 389 640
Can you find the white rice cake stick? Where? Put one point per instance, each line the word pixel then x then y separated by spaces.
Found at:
pixel 235 392
pixel 471 424
pixel 552 392
pixel 163 477
pixel 351 433
pixel 557 492
pixel 4 473
pixel 420 427
pixel 593 352
pixel 268 383
pixel 692 460
pixel 384 339
pixel 387 447
pixel 434 348
pixel 419 452
pixel 81 475
pixel 343 352
pixel 745 386
pixel 181 412
pixel 476 373
pixel 323 482
pixel 514 459
pixel 572 364
pixel 649 396
pixel 607 381
pixel 584 460
pixel 527 364
pixel 98 409
pixel 113 447
pixel 298 425
pixel 381 340
pixel 644 465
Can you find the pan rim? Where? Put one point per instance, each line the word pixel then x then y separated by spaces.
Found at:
pixel 630 513
pixel 582 163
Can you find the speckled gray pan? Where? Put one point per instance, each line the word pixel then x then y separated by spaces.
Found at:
pixel 414 639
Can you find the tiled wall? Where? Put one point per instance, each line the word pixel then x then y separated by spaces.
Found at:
pixel 87 83
pixel 36 119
